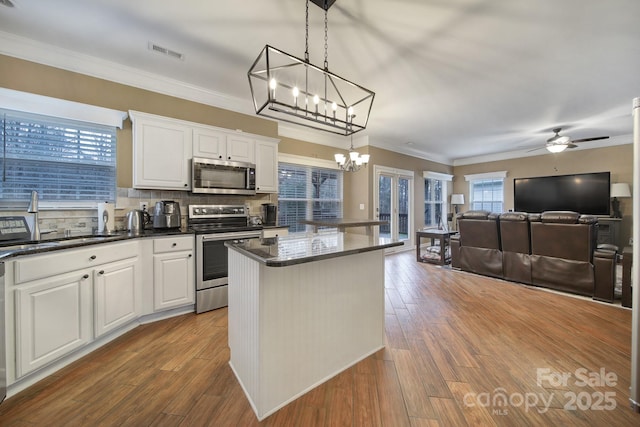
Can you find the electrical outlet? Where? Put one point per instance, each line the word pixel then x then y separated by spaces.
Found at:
pixel 144 205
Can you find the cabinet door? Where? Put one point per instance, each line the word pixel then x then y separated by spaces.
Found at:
pixel 173 282
pixel 209 143
pixel 266 167
pixel 161 154
pixel 240 148
pixel 117 295
pixel 53 318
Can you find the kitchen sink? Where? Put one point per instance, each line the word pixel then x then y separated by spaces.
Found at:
pixel 70 241
pixel 29 246
pixel 92 238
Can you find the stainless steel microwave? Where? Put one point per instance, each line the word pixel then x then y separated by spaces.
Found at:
pixel 214 176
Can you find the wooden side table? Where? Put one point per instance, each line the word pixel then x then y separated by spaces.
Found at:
pixel 443 236
pixel 627 256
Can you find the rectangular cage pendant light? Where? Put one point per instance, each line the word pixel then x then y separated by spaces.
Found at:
pixel 290 89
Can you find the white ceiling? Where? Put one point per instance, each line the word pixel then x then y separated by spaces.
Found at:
pixel 454 79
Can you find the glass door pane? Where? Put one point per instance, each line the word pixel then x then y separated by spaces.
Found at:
pixel 403 208
pixel 385 207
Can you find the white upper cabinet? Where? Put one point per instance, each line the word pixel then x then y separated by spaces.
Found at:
pixel 212 143
pixel 240 148
pixel 266 167
pixel 209 143
pixel 163 148
pixel 162 151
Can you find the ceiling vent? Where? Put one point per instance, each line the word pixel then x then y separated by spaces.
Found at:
pixel 167 52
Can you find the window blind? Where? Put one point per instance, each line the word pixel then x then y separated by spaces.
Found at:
pixel 307 192
pixel 487 194
pixel 64 160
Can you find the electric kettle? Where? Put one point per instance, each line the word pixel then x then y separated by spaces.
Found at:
pixel 136 220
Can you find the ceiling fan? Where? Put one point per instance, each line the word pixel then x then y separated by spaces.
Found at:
pixel 558 143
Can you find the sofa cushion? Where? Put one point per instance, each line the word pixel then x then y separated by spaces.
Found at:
pixel 560 217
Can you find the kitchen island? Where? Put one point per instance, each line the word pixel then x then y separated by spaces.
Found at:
pixel 302 308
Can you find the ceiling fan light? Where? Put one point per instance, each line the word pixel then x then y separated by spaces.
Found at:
pixel 556 148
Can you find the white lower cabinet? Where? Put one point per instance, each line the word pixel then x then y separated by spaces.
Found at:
pixel 53 318
pixel 65 299
pixel 173 272
pixel 117 294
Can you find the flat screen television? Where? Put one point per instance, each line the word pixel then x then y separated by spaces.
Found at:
pixel 585 193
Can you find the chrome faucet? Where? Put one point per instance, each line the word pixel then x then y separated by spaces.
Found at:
pixel 33 208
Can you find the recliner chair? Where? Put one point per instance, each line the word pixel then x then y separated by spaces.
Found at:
pixel 564 255
pixel 515 239
pixel 477 247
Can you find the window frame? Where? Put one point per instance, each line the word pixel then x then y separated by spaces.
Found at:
pixel 477 179
pixel 445 180
pixel 31 103
pixel 309 166
pixel 50 154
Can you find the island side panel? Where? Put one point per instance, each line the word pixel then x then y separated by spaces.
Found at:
pixel 243 320
pixel 315 320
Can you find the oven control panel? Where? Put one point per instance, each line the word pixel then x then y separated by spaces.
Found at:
pixel 217 211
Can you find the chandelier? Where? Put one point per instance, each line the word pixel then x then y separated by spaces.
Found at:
pixel 353 162
pixel 293 90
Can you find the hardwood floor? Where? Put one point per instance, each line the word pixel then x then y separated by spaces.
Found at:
pixel 462 350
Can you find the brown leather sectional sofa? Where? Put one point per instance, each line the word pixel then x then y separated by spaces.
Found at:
pixel 556 250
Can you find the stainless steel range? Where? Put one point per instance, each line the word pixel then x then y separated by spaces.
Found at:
pixel 213 225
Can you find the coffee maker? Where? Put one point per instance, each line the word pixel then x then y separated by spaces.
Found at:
pixel 269 214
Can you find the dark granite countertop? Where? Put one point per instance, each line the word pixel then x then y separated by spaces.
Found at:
pixel 300 248
pixel 343 222
pixel 53 242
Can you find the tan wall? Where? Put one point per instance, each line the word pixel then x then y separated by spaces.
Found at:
pixel 617 159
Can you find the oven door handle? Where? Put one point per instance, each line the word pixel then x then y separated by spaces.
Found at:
pixel 230 236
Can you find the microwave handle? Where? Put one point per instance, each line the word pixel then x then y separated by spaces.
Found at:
pixel 248 179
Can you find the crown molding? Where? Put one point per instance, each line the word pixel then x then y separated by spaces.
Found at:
pixel 41 53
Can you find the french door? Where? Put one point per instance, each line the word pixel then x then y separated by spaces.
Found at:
pixel 394 203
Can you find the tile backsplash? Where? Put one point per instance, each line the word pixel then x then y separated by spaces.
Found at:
pixel 85 221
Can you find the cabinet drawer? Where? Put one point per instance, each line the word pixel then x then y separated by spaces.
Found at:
pixel 35 267
pixel 171 244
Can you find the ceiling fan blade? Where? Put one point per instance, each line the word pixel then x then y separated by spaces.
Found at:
pixel 589 139
pixel 535 149
pixel 571 145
